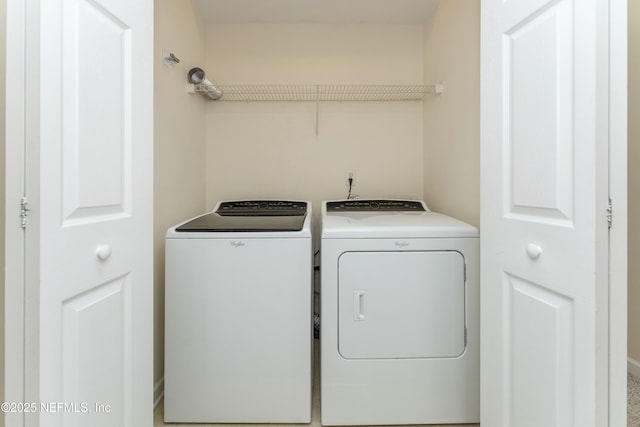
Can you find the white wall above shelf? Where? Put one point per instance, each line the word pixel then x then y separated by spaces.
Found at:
pixel 252 93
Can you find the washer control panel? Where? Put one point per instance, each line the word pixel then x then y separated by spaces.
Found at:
pixel 262 208
pixel 375 206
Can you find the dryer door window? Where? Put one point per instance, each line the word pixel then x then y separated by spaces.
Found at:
pixel 401 304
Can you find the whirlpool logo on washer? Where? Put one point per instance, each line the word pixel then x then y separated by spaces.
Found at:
pixel 401 244
pixel 237 244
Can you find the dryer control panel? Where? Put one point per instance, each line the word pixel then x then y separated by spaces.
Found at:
pixel 375 205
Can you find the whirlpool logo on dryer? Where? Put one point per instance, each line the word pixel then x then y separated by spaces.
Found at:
pixel 237 244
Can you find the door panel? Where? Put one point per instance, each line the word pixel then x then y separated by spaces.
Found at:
pixel 541 352
pixel 95 335
pixel 97 127
pixel 538 111
pixel 401 304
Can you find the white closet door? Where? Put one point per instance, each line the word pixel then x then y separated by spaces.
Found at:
pixel 89 183
pixel 544 227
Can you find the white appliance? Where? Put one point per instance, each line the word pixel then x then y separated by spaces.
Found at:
pixel 239 316
pixel 399 315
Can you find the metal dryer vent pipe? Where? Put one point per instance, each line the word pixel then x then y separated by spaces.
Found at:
pixel 198 77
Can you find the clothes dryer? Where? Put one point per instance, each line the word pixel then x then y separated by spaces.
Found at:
pixel 239 316
pixel 399 315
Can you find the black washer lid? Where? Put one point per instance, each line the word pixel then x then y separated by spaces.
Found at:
pixel 213 222
pixel 250 216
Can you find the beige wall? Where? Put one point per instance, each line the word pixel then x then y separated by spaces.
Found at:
pixel 452 120
pixel 179 141
pixel 271 149
pixel 634 185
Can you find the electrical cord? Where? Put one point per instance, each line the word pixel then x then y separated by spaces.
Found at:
pixel 350 184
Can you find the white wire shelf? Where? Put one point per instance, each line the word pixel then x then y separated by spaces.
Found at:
pixel 253 93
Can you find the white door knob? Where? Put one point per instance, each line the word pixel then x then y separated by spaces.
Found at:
pixel 533 251
pixel 103 252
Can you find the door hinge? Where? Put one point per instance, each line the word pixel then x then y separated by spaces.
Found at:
pixel 24 209
pixel 610 214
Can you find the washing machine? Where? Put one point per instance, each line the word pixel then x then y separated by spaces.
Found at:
pixel 239 316
pixel 399 315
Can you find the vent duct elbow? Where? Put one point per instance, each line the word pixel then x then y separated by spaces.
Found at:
pixel 203 85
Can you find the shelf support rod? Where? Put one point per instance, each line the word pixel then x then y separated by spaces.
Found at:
pixel 317 107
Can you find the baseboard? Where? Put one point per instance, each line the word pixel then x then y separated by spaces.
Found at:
pixel 633 367
pixel 158 392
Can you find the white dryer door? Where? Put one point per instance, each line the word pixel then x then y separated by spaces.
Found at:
pixel 401 304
